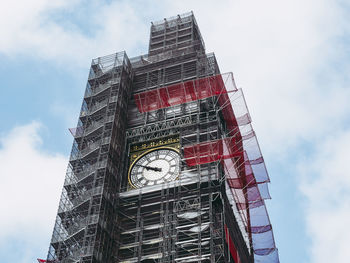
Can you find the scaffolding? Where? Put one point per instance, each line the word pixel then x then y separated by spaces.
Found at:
pixel 234 149
pixel 84 225
pixel 175 33
pixel 174 96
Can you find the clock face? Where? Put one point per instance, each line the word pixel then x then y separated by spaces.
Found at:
pixel 155 167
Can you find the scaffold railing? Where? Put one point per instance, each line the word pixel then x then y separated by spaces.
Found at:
pixel 86 190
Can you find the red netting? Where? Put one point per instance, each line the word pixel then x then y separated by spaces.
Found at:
pixel 184 92
pixel 256 184
pixel 239 153
pixel 244 206
pixel 206 152
pixel 260 229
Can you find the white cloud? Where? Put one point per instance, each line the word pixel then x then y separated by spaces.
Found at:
pixel 326 184
pixel 32 28
pixel 31 181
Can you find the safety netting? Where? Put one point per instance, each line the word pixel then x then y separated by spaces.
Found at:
pixel 239 154
pixel 183 92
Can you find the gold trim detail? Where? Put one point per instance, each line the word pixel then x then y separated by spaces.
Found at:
pixel 156 143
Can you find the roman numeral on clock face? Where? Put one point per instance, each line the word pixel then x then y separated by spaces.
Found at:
pixel 155 167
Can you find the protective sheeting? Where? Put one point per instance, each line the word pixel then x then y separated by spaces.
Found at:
pixel 197 229
pixel 184 92
pixel 190 215
pixel 239 153
pixel 272 256
pixel 255 170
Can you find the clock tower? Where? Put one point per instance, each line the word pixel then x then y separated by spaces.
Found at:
pixel 165 166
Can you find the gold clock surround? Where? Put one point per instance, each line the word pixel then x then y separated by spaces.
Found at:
pixel 173 147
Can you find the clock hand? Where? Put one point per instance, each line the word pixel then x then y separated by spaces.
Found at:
pixel 156 169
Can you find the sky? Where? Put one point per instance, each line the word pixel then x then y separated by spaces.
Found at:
pixel 291 58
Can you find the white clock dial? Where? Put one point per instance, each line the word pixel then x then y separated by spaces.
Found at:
pixel 155 167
